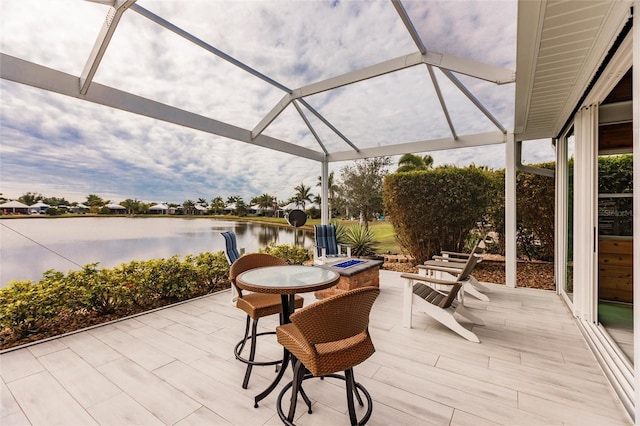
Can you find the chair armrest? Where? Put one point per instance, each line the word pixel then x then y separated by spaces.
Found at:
pixel 452 271
pixel 454 253
pixel 347 248
pixel 426 279
pixel 323 252
pixel 450 259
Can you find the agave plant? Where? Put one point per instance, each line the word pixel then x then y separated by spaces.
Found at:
pixel 341 233
pixel 361 240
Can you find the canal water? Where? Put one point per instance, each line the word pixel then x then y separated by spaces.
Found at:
pixel 31 246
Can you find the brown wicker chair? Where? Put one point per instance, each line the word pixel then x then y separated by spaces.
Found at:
pixel 327 337
pixel 256 305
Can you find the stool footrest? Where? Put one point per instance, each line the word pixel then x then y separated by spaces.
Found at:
pixel 240 345
pixel 350 388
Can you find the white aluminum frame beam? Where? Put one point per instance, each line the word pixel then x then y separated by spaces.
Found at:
pixel 328 124
pixel 30 74
pixel 273 114
pixel 468 141
pixel 102 42
pixel 310 127
pixel 458 65
pixel 443 104
pixel 195 40
pixel 409 25
pixel 473 99
pixel 445 62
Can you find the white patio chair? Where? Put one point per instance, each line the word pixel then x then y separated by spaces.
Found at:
pixel 428 294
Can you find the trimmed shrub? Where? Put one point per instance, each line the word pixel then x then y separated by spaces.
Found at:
pixel 434 210
pixel 212 272
pixel 57 301
pixel 292 254
pixel 535 217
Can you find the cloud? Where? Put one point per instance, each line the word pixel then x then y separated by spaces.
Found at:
pixel 61 146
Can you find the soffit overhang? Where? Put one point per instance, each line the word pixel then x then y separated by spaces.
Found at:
pixel 560 46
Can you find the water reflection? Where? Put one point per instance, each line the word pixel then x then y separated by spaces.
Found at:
pixel 30 246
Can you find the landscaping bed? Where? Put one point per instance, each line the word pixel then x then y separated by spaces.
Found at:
pixel 531 274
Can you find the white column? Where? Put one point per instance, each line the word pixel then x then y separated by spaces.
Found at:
pixel 560 272
pixel 510 211
pixel 324 192
pixel 636 205
pixel 585 213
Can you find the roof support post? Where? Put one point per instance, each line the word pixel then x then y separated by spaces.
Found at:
pixel 635 90
pixel 324 192
pixel 510 229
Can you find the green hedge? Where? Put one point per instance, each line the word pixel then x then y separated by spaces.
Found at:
pixel 294 255
pixel 432 210
pixel 535 211
pixel 59 301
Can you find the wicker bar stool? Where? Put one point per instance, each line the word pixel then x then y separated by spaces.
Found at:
pixel 325 338
pixel 256 305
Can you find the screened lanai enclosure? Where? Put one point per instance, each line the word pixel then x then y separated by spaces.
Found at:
pixel 322 81
pixel 236 91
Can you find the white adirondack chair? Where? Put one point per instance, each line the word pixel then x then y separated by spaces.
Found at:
pixel 429 295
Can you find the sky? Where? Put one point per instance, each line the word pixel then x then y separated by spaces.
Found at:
pixel 62 147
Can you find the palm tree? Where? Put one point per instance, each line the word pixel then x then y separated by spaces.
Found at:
pixel 95 201
pixel 217 204
pixel 189 207
pixel 233 199
pixel 411 162
pixel 303 194
pixel 132 206
pixel 265 201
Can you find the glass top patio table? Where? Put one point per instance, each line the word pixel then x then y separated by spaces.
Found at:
pixel 289 279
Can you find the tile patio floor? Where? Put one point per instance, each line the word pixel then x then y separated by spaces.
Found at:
pixel 176 367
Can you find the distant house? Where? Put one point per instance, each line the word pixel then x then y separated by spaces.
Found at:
pixel 14 207
pixel 230 209
pixel 79 208
pixel 257 210
pixel 159 209
pixel 116 209
pixel 38 208
pixel 200 209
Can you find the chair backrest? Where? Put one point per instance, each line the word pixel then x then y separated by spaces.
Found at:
pixel 479 248
pixel 336 318
pixel 468 267
pixel 326 238
pixel 252 261
pixel 442 300
pixel 231 247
